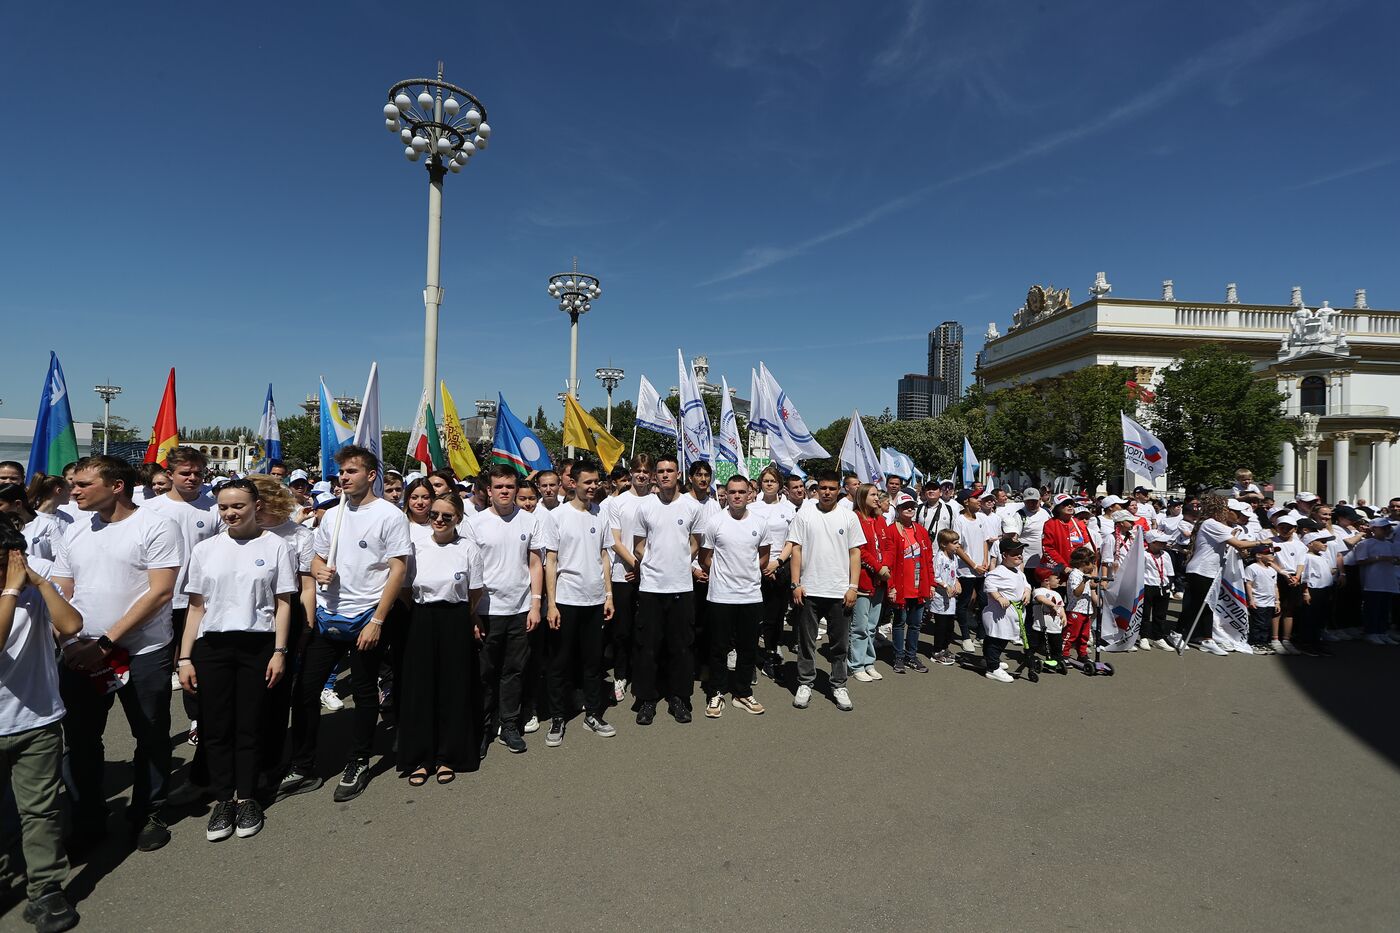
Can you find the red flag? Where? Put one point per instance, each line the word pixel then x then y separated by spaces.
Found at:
pixel 1140 393
pixel 165 436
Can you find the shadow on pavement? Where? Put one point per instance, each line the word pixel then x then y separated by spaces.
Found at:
pixel 1358 688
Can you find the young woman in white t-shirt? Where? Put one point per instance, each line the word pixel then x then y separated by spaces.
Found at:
pixel 440 684
pixel 417 499
pixel 234 649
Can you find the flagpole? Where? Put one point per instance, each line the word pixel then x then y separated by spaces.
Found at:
pixel 633 452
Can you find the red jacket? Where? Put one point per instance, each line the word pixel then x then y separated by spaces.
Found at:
pixel 874 553
pixel 895 546
pixel 1055 541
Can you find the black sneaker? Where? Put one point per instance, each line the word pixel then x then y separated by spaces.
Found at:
pixel 918 665
pixel 51 913
pixel 680 709
pixel 555 737
pixel 250 818
pixel 153 835
pixel 510 737
pixel 646 713
pixel 297 783
pixel 354 781
pixel 220 821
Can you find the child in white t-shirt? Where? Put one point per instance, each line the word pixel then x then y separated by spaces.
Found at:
pixel 1319 576
pixel 1048 625
pixel 1261 593
pixel 1079 616
pixel 946 588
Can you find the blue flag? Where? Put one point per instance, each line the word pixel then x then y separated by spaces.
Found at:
pixel 515 444
pixel 336 432
pixel 268 431
pixel 55 442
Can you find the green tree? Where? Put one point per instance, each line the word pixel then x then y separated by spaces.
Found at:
pixel 301 441
pixel 215 433
pixel 1014 429
pixel 395 447
pixel 1085 408
pixel 1215 415
pixel 122 430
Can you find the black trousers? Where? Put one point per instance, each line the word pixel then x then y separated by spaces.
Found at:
pixel 624 622
pixel 1193 601
pixel 777 597
pixel 943 629
pixel 665 634
pixel 735 625
pixel 702 624
pixel 971 600
pixel 231 670
pixel 277 704
pixel 1315 615
pixel 503 658
pixel 439 689
pixel 534 683
pixel 1154 611
pixel 991 651
pixel 145 700
pixel 576 659
pixel 177 622
pixel 321 655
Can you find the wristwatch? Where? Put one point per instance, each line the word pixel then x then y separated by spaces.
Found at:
pixel 279 650
pixel 105 643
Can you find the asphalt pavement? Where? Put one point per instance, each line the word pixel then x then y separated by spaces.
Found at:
pixel 1194 793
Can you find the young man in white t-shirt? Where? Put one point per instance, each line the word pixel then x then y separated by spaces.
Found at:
pixel 621 513
pixel 192 507
pixel 578 578
pixel 665 540
pixel 510 540
pixel 117 564
pixel 32 613
pixel 826 544
pixel 777 581
pixel 362 547
pixel 734 550
pixel 1027 523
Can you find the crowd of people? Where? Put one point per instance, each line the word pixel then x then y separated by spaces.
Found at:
pixel 470 614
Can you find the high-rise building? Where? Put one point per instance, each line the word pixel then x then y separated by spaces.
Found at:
pixel 945 364
pixel 938 397
pixel 913 399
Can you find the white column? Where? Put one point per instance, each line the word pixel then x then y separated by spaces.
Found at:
pixel 1341 467
pixel 1288 473
pixel 1381 490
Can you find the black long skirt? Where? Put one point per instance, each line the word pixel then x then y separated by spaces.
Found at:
pixel 440 690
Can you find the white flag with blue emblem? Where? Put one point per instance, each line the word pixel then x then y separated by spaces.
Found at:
pixel 728 445
pixel 858 454
pixel 697 440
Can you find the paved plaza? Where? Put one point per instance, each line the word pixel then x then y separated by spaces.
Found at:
pixel 1198 793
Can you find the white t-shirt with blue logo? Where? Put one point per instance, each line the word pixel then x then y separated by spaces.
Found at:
pixel 734 573
pixel 369 536
pixel 506 543
pixel 240 580
pixel 826 539
pixel 198 520
pixel 579 538
pixel 667 528
pixel 444 573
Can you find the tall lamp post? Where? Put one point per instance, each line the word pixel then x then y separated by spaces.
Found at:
pixel 611 377
pixel 576 293
pixel 447 125
pixel 107 392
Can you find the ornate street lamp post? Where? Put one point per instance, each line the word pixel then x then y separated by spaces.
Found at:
pixel 611 377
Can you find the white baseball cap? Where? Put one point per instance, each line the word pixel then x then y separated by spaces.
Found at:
pixel 1315 536
pixel 1122 515
pixel 1158 537
pixel 298 475
pixel 1109 502
pixel 1306 497
pixel 1237 506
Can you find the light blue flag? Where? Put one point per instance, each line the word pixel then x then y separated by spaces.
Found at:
pixel 970 464
pixel 269 433
pixel 336 432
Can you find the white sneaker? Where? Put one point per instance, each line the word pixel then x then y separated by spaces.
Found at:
pixel 174 682
pixel 1374 639
pixel 1288 647
pixel 885 631
pixel 619 689
pixel 1174 639
pixel 874 674
pixel 1354 634
pixel 1133 646
pixel 1145 644
pixel 1161 643
pixel 531 725
pixel 1278 647
pixel 969 645
pixel 843 699
pixel 803 697
pixel 732 660
pixel 1000 676
pixel 1210 645
pixel 331 700
pixel 1391 639
pixel 821 631
pixel 862 676
pixel 1329 635
pixel 1004 666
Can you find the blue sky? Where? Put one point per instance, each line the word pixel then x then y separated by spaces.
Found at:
pixel 813 184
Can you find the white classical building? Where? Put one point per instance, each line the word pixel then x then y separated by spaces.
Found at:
pixel 1340 368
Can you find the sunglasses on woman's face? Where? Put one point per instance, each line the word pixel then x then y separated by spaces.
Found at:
pixel 443 516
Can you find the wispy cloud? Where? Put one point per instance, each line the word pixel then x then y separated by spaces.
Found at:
pixel 1285 26
pixel 1371 166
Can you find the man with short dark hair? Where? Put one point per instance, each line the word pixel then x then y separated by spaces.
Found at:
pixel 117 564
pixel 826 544
pixel 11 473
pixel 547 482
pixel 665 539
pixel 277 470
pixel 362 547
pixel 621 513
pixel 937 509
pixel 850 482
pixel 734 552
pixel 510 540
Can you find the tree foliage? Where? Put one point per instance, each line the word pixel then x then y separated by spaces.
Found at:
pixel 1215 415
pixel 301 441
pixel 1084 410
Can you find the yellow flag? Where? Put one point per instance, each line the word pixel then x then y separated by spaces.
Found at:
pixel 583 430
pixel 459 452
